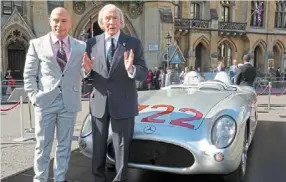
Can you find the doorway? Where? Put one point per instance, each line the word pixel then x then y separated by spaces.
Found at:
pixel 96 30
pixel 16 59
pixel 198 54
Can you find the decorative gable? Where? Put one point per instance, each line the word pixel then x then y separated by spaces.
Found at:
pixel 16 23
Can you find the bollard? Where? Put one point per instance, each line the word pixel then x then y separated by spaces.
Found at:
pixel 31 129
pixel 22 138
pixel 269 94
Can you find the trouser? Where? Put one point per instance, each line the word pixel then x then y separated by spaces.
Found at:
pixel 47 121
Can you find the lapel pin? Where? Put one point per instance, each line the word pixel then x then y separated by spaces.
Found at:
pixel 124 44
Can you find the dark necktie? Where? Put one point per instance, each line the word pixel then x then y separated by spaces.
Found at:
pixel 61 56
pixel 111 50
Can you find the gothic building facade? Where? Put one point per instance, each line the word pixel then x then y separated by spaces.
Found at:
pixel 204 31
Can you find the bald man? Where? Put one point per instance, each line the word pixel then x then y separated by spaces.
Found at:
pixel 232 70
pixel 52 80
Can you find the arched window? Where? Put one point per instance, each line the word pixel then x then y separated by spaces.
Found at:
pixel 225 53
pixel 257 13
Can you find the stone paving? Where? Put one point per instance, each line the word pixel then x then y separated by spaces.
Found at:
pixel 18 156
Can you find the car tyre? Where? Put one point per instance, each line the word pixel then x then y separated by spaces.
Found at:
pixel 110 168
pixel 239 173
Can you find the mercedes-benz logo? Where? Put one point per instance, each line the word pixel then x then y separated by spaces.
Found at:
pixel 149 129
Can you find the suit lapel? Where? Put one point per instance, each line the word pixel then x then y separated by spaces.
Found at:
pixel 119 52
pixel 72 54
pixel 48 51
pixel 101 51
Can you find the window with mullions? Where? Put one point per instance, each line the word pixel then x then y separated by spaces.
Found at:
pixel 225 10
pixel 225 14
pixel 225 54
pixel 195 11
pixel 53 4
pixel 280 15
pixel 178 9
pixel 8 7
pixel 257 13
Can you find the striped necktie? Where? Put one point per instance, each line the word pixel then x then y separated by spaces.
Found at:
pixel 110 54
pixel 61 56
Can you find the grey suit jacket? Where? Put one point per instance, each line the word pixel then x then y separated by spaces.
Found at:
pixel 43 78
pixel 115 86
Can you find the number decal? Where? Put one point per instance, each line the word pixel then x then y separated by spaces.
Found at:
pixel 141 107
pixel 152 117
pixel 182 121
pixel 178 122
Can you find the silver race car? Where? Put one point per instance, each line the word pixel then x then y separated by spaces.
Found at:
pixel 197 127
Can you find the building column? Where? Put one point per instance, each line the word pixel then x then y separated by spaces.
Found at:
pixel 40 16
pixel 214 38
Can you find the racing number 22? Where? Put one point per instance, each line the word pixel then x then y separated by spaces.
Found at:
pixel 179 122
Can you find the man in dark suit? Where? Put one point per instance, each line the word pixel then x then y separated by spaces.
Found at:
pixel 114 61
pixel 245 74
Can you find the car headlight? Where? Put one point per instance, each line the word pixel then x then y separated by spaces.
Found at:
pixel 223 132
pixel 87 126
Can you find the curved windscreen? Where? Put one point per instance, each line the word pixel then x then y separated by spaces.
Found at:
pixel 200 80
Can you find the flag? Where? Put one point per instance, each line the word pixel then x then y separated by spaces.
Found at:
pixel 259 13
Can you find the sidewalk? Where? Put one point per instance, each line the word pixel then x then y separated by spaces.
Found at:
pixel 18 156
pixel 275 100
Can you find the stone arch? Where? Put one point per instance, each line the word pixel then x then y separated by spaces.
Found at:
pixel 17 30
pixel 261 43
pixel 278 51
pixel 93 13
pixel 201 48
pixel 203 40
pixel 228 41
pixel 259 56
pixel 227 50
pixel 280 45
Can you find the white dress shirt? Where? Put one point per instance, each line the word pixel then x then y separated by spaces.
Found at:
pixel 115 41
pixel 108 41
pixel 108 44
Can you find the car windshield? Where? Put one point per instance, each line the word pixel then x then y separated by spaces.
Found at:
pixel 201 80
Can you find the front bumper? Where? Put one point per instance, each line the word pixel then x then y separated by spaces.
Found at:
pixel 167 153
pixel 177 157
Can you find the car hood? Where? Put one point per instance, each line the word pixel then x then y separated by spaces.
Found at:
pixel 177 108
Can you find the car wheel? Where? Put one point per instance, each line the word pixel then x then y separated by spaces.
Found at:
pixel 239 173
pixel 110 167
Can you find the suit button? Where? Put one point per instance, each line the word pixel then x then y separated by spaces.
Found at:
pixel 63 75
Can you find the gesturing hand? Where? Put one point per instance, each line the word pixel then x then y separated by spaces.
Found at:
pixel 128 61
pixel 87 63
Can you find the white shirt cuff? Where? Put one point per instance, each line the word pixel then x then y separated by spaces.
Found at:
pixel 132 74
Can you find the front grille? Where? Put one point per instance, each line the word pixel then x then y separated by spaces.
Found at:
pixel 157 153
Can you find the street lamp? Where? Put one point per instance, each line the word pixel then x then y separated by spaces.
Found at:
pixel 168 38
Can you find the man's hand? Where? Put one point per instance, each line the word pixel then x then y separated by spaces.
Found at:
pixel 87 63
pixel 128 61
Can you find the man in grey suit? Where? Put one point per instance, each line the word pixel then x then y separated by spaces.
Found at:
pixel 52 79
pixel 114 61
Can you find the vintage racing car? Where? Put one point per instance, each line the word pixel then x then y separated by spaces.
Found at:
pixel 202 127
